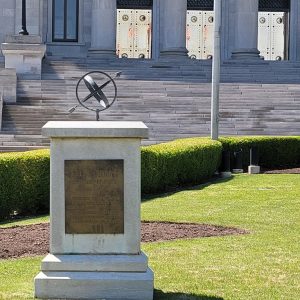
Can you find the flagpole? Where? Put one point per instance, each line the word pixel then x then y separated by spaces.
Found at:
pixel 216 68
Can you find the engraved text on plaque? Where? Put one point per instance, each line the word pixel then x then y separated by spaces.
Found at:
pixel 94 196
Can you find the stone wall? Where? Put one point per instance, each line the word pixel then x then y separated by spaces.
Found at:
pixel 8 85
pixel 1 106
pixel 7 18
pixel 33 11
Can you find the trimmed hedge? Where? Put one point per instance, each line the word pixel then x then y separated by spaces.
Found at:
pixel 273 151
pixel 25 177
pixel 177 163
pixel 24 182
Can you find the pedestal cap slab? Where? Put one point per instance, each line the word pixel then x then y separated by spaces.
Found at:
pixel 95 129
pixel 23 39
pixel 9 48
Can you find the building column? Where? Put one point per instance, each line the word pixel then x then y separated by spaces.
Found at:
pixel 245 14
pixel 294 40
pixel 156 29
pixel 173 28
pixel 104 27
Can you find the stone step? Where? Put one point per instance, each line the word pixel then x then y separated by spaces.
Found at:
pixel 174 101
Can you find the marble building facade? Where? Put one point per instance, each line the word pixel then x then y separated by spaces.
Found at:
pixel 78 28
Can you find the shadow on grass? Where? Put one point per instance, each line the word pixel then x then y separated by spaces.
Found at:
pixel 160 295
pixel 212 181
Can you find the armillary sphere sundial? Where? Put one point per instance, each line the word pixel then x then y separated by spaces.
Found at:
pixel 96 91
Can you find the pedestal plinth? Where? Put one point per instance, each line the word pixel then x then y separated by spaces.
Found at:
pixel 95 213
pixel 246 54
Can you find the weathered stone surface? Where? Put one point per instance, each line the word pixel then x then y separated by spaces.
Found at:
pixel 23 39
pixel 8 85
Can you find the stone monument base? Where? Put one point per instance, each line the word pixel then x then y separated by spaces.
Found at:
pixel 110 277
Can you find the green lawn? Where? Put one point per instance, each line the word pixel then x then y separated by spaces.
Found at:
pixel 25 221
pixel 262 265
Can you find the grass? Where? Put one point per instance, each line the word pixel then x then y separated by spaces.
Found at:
pixel 262 265
pixel 24 221
pixel 16 277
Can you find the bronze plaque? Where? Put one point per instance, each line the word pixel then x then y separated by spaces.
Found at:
pixel 94 196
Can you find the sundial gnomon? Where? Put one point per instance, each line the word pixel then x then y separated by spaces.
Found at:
pixel 96 91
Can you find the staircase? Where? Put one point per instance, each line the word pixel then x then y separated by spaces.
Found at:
pixel 172 99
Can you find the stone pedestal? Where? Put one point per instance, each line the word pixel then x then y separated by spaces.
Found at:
pixel 104 27
pixel 25 54
pixel 95 213
pixel 173 26
pixel 245 12
pixel 253 169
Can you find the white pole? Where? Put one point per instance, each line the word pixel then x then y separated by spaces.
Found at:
pixel 216 71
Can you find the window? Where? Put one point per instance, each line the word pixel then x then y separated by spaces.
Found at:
pixel 65 20
pixel 274 5
pixel 134 4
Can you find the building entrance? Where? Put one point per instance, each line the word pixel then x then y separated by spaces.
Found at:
pixel 134 29
pixel 272 35
pixel 199 34
pixel 273 29
pixel 134 33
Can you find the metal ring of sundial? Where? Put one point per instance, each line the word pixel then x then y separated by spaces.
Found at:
pixel 96 92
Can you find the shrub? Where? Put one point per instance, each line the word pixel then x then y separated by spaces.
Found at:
pixel 25 177
pixel 178 163
pixel 273 151
pixel 24 182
